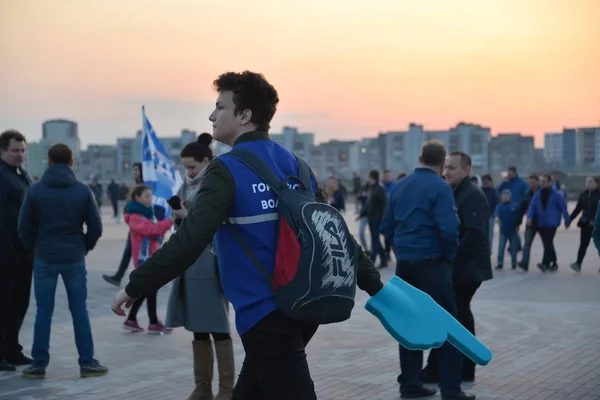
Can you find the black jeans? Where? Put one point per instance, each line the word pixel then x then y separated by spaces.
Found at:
pixel 125 259
pixel 15 288
pixel 585 236
pixel 433 277
pixel 464 295
pixel 151 304
pixel 275 366
pixel 547 235
pixel 115 206
pixel 376 247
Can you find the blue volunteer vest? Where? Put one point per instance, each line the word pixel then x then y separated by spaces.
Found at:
pixel 254 215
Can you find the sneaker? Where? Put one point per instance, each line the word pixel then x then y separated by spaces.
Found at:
pixel 576 267
pixel 158 328
pixel 542 267
pixel 523 266
pixel 499 266
pixel 34 372
pixel 132 326
pixel 514 266
pixel 111 280
pixel 5 366
pixel 93 369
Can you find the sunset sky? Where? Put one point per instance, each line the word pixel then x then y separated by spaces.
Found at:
pixel 344 69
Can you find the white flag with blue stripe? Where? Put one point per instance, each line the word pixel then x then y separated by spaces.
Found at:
pixel 158 169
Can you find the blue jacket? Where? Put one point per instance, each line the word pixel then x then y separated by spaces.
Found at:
pixel 254 215
pixel 550 215
pixel 508 214
pixel 53 214
pixel 518 188
pixel 421 219
pixel 389 187
pixel 491 195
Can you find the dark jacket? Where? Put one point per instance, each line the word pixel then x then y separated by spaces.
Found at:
pixel 491 195
pixel 14 182
pixel 53 214
pixel 338 201
pixel 375 204
pixel 547 207
pixel 211 207
pixel 472 263
pixel 420 220
pixel 587 205
pixel 113 191
pixel 525 206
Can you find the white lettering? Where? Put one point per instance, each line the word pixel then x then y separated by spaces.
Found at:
pixel 260 188
pixel 266 204
pixel 294 186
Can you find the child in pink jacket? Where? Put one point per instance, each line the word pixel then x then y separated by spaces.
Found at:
pixel 145 233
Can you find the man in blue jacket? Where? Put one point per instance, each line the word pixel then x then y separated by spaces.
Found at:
pixel 51 223
pixel 422 223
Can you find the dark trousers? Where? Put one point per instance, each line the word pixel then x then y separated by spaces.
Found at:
pixel 150 303
pixel 376 247
pixel 115 206
pixel 433 277
pixel 547 236
pixel 464 295
pixel 275 366
pixel 125 259
pixel 15 288
pixel 585 236
pixel 530 233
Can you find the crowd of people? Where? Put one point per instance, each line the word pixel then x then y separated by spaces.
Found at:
pixel 436 223
pixel 538 204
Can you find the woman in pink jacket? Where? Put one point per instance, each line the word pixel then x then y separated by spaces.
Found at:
pixel 145 233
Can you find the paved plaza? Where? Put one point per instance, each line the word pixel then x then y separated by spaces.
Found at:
pixel 544 330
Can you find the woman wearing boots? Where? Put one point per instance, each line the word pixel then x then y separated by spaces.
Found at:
pixel 197 301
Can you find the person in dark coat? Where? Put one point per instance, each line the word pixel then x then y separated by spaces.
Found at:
pixel 472 265
pixel 51 223
pixel 587 205
pixel 530 230
pixel 491 195
pixel 16 263
pixel 113 195
pixel 373 210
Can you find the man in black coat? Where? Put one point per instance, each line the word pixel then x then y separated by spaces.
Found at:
pixel 16 264
pixel 373 210
pixel 472 264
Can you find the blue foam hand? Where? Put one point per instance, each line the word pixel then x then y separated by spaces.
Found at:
pixel 417 322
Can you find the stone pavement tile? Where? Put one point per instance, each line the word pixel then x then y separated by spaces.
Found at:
pixel 544 330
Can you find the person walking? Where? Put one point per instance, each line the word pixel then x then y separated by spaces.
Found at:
pixel 51 223
pixel 507 216
pixel 547 207
pixel 491 195
pixel 373 211
pixel 112 192
pixel 145 232
pixel 530 229
pixel 587 205
pixel 197 301
pixel 422 224
pixel 16 264
pixel 471 265
pixel 116 279
pixel 275 366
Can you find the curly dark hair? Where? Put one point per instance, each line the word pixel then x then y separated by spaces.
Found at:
pixel 251 91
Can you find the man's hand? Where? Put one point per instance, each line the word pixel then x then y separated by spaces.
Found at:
pixel 121 298
pixel 417 322
pixel 181 213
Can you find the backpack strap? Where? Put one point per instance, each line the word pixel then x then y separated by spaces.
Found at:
pixel 249 253
pixel 304 173
pixel 260 168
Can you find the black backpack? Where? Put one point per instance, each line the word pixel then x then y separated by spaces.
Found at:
pixel 314 279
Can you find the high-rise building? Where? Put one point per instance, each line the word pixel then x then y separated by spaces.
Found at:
pixel 553 149
pixel 569 154
pixel 99 162
pixel 586 144
pixel 512 149
pixel 62 131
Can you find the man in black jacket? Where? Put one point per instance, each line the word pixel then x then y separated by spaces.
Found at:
pixel 472 264
pixel 373 210
pixel 16 264
pixel 530 230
